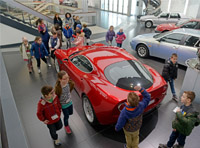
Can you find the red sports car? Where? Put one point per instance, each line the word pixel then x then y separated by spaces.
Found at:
pixel 104 75
pixel 193 23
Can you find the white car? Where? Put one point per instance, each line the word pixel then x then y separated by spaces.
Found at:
pixel 162 18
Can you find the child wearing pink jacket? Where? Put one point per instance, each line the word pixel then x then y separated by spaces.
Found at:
pixel 79 40
pixel 120 37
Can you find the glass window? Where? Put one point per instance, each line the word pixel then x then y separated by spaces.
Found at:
pixel 174 15
pixel 164 15
pixel 197 26
pixel 190 25
pixel 115 6
pixel 106 4
pixel 125 6
pixel 191 41
pixel 120 6
pixel 173 38
pixel 110 5
pixel 179 23
pixel 127 74
pixel 102 4
pixel 82 63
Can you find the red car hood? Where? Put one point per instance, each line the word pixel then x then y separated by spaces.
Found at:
pixel 168 27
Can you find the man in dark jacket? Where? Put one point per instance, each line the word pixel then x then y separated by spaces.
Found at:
pixel 130 119
pixel 169 73
pixel 186 119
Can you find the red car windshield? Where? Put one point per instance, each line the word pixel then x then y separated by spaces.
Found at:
pixel 127 74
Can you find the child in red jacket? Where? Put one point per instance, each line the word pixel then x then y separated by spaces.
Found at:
pixel 120 37
pixel 49 111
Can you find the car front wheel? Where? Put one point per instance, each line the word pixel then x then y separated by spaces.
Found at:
pixel 148 24
pixel 57 65
pixel 142 51
pixel 89 111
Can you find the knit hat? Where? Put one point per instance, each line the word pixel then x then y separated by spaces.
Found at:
pixel 79 26
pixel 67 23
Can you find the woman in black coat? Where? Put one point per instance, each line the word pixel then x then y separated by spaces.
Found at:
pixel 57 20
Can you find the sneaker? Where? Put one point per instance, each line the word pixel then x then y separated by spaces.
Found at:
pixel 57 142
pixel 39 71
pixel 177 146
pixel 49 65
pixel 175 98
pixel 68 130
pixel 163 146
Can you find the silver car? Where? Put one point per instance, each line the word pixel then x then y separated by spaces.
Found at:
pixel 162 18
pixel 182 41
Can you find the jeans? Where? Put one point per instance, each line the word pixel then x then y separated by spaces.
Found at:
pixel 119 45
pixel 67 111
pixel 176 135
pixel 38 61
pixel 53 128
pixel 132 139
pixel 171 83
pixel 68 42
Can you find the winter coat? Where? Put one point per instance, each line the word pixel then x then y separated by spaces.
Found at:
pixel 58 21
pixel 170 70
pixel 186 120
pixel 67 32
pixel 45 35
pixel 87 32
pixel 79 40
pixel 46 110
pixel 38 50
pixel 69 21
pixel 76 23
pixel 120 37
pixel 110 35
pixel 131 117
pixel 27 54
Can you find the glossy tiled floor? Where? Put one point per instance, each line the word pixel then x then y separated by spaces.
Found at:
pixel 156 126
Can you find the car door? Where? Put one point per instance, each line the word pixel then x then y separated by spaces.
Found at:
pixel 167 45
pixel 161 19
pixel 187 50
pixel 174 18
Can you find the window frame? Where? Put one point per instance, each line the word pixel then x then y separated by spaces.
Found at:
pixel 161 39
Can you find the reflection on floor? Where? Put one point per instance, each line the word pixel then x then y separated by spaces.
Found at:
pixel 156 126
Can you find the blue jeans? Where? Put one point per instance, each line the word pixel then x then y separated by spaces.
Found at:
pixel 119 45
pixel 67 111
pixel 171 83
pixel 176 135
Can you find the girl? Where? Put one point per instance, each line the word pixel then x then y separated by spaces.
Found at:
pixel 79 40
pixel 69 20
pixel 63 90
pixel 44 33
pixel 39 51
pixel 25 52
pixel 109 35
pixel 120 37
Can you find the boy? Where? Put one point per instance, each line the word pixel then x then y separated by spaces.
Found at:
pixel 88 33
pixel 67 31
pixel 130 118
pixel 169 73
pixel 186 120
pixel 54 43
pixel 49 111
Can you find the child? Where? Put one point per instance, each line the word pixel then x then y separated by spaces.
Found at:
pixel 130 118
pixel 120 37
pixel 39 51
pixel 109 35
pixel 56 29
pixel 169 73
pixel 186 120
pixel 77 21
pixel 79 40
pixel 88 33
pixel 49 111
pixel 54 43
pixel 25 52
pixel 67 31
pixel 44 33
pixel 63 89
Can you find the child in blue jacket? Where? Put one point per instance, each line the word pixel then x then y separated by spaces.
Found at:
pixel 67 31
pixel 39 51
pixel 130 118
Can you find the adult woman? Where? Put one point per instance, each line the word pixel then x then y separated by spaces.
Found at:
pixel 58 20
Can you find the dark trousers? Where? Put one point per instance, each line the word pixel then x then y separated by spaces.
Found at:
pixel 38 61
pixel 119 45
pixel 53 128
pixel 52 54
pixel 176 135
pixel 67 111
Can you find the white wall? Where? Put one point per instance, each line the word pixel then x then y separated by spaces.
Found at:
pixel 11 35
pixel 193 9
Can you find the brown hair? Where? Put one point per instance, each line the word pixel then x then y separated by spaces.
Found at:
pixel 45 90
pixel 37 38
pixel 133 99
pixel 84 25
pixel 190 95
pixel 58 88
pixel 174 55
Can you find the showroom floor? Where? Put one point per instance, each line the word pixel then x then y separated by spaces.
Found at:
pixel 156 126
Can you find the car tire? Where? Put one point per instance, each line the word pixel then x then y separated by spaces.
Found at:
pixel 57 65
pixel 142 51
pixel 89 111
pixel 148 24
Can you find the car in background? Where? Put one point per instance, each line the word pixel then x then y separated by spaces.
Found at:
pixel 182 41
pixel 192 23
pixel 104 75
pixel 162 18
